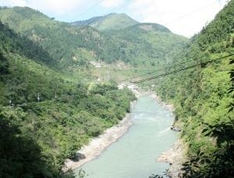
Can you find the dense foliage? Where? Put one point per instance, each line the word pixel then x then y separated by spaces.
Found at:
pixel 203 97
pixel 51 104
pixel 147 45
pixel 12 42
pixel 45 115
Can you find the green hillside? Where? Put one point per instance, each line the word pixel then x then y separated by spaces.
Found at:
pixel 74 47
pixel 148 47
pixel 22 19
pixel 24 46
pixel 140 44
pixel 142 48
pixel 67 44
pixel 58 85
pixel 203 97
pixel 49 91
pixel 47 116
pixel 109 22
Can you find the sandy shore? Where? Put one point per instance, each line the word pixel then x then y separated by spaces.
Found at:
pixel 99 144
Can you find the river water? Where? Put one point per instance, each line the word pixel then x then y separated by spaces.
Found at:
pixel 135 154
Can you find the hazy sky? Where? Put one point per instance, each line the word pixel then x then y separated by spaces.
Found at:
pixel 183 17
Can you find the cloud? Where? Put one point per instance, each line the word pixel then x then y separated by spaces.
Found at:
pixel 12 3
pixel 111 3
pixel 181 16
pixel 62 9
pixel 185 17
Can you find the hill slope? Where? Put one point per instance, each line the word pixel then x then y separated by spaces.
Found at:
pixel 68 45
pixel 74 47
pixel 42 106
pixel 45 115
pixel 147 44
pixel 203 97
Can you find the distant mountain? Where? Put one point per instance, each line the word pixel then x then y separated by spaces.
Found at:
pixel 67 44
pixel 75 45
pixel 87 22
pixel 147 27
pixel 148 44
pixel 109 22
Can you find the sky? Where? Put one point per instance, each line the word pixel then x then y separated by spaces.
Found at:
pixel 182 17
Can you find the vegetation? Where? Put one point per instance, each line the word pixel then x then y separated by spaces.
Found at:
pixel 57 38
pixel 51 102
pixel 148 45
pixel 45 115
pixel 203 97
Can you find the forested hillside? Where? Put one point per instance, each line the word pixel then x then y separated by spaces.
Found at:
pixel 148 44
pixel 68 45
pixel 46 116
pixel 52 101
pixel 75 46
pixel 202 93
pixel 140 44
pixel 49 93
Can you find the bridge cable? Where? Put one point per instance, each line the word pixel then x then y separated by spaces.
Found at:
pixel 182 69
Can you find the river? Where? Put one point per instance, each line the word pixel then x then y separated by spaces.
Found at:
pixel 135 154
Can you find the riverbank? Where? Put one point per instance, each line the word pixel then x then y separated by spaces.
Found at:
pixel 175 158
pixel 176 155
pixel 170 107
pixel 99 144
pixel 111 135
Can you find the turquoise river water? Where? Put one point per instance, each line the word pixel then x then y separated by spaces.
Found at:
pixel 135 154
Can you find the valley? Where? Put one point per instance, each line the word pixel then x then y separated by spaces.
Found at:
pixel 59 87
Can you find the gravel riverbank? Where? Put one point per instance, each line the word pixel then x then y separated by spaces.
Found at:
pixel 175 157
pixel 99 144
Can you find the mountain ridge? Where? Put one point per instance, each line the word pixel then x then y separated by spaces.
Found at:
pixel 90 44
pixel 112 21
